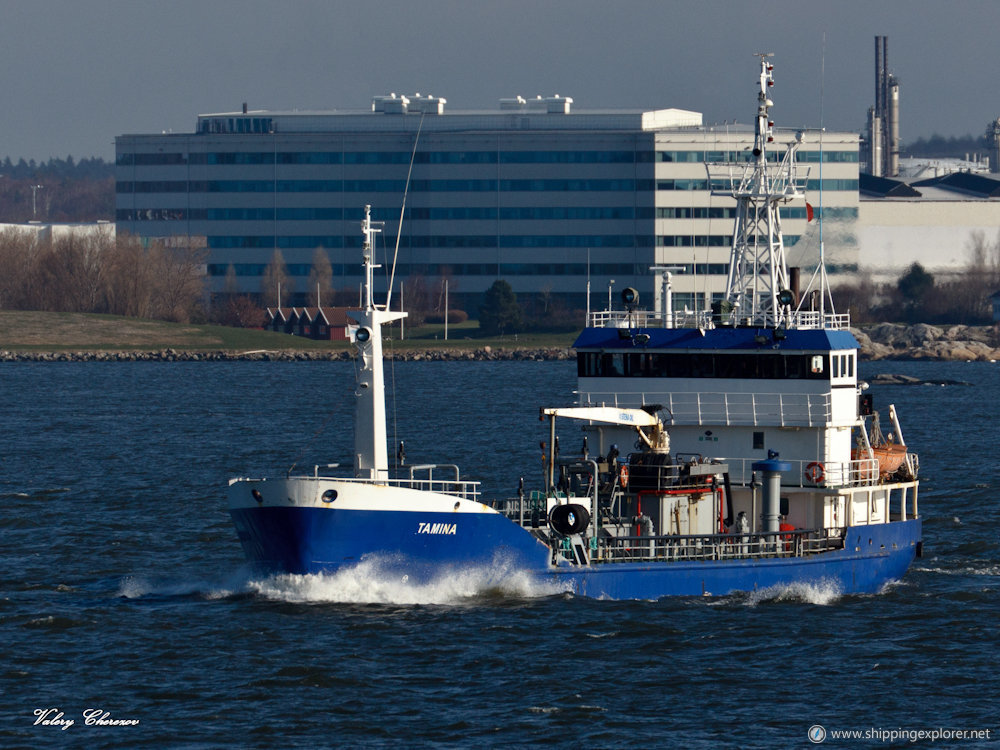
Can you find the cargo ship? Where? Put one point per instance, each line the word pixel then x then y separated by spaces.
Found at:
pixel 723 450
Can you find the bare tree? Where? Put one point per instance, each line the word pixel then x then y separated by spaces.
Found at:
pixel 99 272
pixel 320 290
pixel 859 297
pixel 178 282
pixel 231 308
pixel 70 273
pixel 17 277
pixel 130 279
pixel 276 278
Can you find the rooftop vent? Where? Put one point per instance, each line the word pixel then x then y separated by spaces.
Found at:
pixel 417 103
pixel 518 104
pixel 553 104
pixel 558 104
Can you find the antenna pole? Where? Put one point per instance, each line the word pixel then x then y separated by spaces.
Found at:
pixel 757 284
pixel 823 283
pixel 402 209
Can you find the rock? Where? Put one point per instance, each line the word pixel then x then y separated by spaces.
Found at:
pixel 896 379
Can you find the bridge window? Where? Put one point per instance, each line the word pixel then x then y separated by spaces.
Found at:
pixel 732 365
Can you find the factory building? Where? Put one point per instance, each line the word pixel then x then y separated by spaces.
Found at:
pixel 937 222
pixel 556 200
pixel 882 143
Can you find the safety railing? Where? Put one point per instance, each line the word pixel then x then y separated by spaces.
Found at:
pixel 455 487
pixel 802 320
pixel 809 473
pixel 706 547
pixel 727 409
pixel 649 319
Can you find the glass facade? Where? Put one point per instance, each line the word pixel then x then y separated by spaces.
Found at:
pixel 551 202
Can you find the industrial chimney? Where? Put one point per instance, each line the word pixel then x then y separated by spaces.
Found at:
pixel 883 118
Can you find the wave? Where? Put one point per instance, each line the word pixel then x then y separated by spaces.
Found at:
pixel 371 582
pixel 36 494
pixel 368 582
pixel 985 570
pixel 822 593
pixel 138 587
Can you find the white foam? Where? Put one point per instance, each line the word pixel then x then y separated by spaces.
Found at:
pixel 136 587
pixel 987 570
pixel 369 583
pixel 822 593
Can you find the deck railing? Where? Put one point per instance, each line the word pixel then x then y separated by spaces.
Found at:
pixel 704 547
pixel 802 320
pixel 455 487
pixel 807 473
pixel 728 409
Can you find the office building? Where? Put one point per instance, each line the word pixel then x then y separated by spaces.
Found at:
pixel 538 192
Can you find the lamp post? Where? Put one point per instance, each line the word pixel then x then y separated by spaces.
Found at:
pixel 34 203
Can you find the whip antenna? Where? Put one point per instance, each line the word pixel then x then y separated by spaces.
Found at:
pixel 402 209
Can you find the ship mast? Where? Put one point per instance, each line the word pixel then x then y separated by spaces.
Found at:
pixel 757 287
pixel 371 459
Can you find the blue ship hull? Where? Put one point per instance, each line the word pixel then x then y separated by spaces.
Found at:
pixel 320 540
pixel 873 556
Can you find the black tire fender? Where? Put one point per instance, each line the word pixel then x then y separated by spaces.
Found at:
pixel 569 519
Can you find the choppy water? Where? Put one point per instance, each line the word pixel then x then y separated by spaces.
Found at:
pixel 122 587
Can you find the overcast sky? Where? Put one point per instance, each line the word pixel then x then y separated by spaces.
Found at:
pixel 77 73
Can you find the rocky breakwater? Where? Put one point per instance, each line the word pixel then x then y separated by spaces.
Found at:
pixel 922 341
pixel 179 355
pixel 169 355
pixel 487 353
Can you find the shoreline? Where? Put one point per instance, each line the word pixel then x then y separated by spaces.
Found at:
pixel 923 342
pixel 482 354
pixel 885 341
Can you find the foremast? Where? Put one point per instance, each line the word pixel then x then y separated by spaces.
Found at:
pixel 371 460
pixel 758 287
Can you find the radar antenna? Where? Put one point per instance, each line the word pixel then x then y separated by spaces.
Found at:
pixel 757 286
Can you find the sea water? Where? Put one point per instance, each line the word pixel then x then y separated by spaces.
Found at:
pixel 128 618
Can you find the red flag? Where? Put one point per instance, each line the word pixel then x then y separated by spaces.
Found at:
pixel 809 212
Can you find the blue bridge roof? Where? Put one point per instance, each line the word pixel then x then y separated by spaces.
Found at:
pixel 746 339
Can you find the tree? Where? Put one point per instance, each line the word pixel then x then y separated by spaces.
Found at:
pixel 500 313
pixel 241 311
pixel 913 286
pixel 18 279
pixel 72 273
pixel 178 285
pixel 232 308
pixel 276 277
pixel 98 272
pixel 129 279
pixel 320 280
pixel 415 298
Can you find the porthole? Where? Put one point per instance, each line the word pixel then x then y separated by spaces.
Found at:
pixel 329 496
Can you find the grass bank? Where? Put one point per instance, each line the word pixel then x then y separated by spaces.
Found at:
pixel 62 332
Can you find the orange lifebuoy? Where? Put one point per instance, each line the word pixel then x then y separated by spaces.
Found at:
pixel 815 472
pixel 623 474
